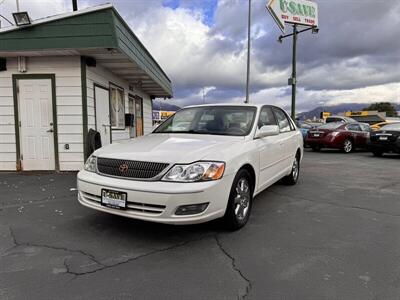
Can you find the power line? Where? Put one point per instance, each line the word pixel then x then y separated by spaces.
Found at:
pixel 7 20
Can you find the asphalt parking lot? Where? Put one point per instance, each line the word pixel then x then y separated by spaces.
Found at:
pixel 335 235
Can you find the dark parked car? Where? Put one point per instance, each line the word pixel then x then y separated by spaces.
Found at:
pixel 386 140
pixel 346 137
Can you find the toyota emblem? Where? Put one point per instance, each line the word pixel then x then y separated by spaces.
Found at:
pixel 123 168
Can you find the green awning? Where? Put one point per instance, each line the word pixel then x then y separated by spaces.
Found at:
pixel 98 32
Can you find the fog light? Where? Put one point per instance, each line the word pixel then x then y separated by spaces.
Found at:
pixel 191 209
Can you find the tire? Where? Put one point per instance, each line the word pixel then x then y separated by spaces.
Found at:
pixel 240 201
pixel 293 177
pixel 377 153
pixel 347 146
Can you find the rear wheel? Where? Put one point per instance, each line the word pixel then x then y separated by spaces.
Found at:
pixel 293 177
pixel 240 201
pixel 377 153
pixel 347 146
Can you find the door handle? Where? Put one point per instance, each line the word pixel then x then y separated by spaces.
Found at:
pixel 50 130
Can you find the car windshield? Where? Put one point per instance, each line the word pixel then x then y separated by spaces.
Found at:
pixel 217 120
pixel 395 126
pixel 331 125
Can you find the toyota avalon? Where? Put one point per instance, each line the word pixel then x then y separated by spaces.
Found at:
pixel 204 162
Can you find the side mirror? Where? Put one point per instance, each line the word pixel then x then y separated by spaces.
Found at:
pixel 267 130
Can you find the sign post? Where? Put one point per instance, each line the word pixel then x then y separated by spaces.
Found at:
pixel 297 13
pixel 294 75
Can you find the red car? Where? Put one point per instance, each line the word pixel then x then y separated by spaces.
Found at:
pixel 346 137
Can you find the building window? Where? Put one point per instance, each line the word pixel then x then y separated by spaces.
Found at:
pixel 117 107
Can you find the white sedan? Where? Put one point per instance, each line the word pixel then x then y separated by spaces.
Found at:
pixel 212 167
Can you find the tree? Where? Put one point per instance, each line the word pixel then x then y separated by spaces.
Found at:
pixel 387 107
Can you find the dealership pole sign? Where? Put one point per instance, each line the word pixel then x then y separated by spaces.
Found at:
pixel 298 12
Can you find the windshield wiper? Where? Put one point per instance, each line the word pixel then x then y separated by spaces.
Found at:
pixel 196 132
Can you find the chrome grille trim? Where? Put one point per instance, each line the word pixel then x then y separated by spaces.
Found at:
pixel 154 209
pixel 139 170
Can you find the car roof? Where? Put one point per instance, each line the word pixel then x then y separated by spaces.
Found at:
pixel 229 104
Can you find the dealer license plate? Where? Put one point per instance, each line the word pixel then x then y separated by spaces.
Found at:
pixel 383 138
pixel 113 199
pixel 316 134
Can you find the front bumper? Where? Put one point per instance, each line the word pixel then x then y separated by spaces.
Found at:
pixel 157 201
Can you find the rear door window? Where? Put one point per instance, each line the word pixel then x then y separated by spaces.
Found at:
pixel 365 127
pixel 353 127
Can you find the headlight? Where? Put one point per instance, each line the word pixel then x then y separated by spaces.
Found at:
pixel 91 164
pixel 199 171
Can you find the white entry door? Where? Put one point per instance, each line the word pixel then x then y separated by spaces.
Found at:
pixel 103 124
pixel 36 124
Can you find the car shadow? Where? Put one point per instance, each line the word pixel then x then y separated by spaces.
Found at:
pixel 132 229
pixel 335 151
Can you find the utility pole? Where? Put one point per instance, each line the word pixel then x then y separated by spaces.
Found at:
pixel 248 54
pixel 74 5
pixel 301 13
pixel 17 2
pixel 294 79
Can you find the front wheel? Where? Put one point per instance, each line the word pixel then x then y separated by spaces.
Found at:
pixel 293 177
pixel 240 201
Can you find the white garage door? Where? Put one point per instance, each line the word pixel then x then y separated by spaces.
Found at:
pixel 36 124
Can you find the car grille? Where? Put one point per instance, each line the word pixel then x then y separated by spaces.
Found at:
pixel 153 209
pixel 129 168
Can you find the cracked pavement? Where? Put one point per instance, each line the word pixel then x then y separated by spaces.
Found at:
pixel 335 235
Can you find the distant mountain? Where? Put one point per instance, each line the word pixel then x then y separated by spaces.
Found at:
pixel 164 105
pixel 334 110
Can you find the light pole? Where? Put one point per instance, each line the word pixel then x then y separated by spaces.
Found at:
pixel 248 54
pixel 17 2
pixel 293 79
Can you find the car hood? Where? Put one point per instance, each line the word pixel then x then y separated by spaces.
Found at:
pixel 170 148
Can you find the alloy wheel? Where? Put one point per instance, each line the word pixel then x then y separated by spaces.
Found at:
pixel 295 169
pixel 347 146
pixel 242 199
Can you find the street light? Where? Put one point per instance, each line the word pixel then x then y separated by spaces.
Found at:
pixel 314 30
pixel 21 18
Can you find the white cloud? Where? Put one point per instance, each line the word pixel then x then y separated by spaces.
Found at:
pixel 311 98
pixel 332 67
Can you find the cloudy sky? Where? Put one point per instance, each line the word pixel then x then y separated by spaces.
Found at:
pixel 202 46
